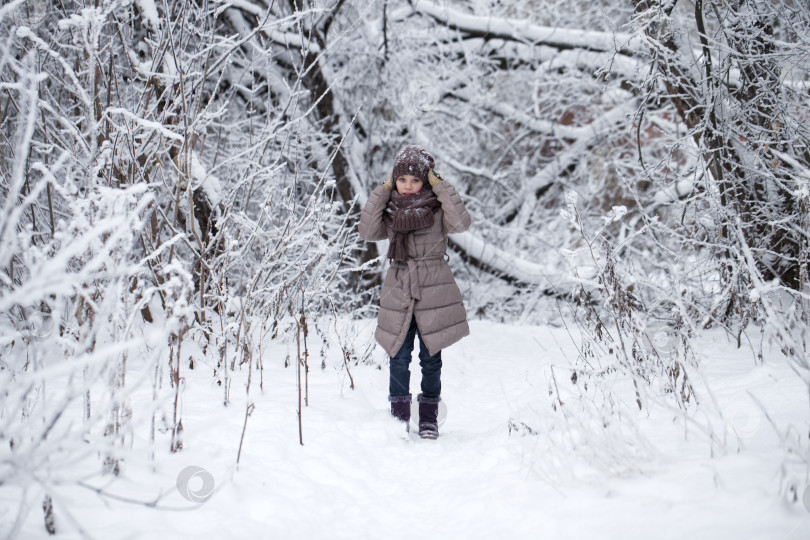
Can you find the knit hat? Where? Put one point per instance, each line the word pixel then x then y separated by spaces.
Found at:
pixel 413 160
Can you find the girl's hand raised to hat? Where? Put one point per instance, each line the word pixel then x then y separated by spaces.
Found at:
pixel 434 178
pixel 389 183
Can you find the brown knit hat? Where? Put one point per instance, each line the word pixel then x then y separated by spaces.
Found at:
pixel 413 160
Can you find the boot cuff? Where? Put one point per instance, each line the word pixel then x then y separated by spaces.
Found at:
pixel 400 399
pixel 422 399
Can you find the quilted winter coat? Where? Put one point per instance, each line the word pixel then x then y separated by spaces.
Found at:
pixel 423 287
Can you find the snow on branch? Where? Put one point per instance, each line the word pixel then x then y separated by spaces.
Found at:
pixel 272 28
pixel 585 137
pixel 523 31
pixel 149 13
pixel 508 264
pixel 292 40
pixel 546 127
pixel 146 124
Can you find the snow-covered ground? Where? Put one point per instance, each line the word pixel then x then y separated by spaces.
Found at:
pixel 358 475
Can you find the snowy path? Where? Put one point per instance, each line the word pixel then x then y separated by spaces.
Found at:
pixel 358 476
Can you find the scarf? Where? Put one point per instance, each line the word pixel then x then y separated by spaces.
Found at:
pixel 405 214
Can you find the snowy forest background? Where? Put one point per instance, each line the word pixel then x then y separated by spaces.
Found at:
pixel 181 183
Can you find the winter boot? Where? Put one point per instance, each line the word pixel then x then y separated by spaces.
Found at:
pixel 401 408
pixel 428 416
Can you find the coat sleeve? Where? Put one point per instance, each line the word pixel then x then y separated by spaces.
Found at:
pixel 371 225
pixel 456 218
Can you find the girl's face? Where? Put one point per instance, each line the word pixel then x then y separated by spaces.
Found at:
pixel 408 184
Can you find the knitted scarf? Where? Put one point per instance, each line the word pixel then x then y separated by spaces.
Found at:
pixel 405 214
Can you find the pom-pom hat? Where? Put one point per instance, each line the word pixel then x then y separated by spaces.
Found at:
pixel 413 160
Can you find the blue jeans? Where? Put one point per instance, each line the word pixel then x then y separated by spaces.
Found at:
pixel 399 382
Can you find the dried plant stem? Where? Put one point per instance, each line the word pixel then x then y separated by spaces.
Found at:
pixel 248 412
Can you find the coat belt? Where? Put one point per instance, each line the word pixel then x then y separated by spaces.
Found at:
pixel 413 272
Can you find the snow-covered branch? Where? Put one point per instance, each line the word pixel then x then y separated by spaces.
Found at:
pixel 493 27
pixel 513 266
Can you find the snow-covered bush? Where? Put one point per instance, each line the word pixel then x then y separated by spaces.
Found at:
pixel 153 211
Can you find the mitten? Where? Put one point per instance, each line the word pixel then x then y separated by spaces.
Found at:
pixel 434 178
pixel 389 183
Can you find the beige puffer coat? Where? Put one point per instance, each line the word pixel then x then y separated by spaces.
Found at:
pixel 424 287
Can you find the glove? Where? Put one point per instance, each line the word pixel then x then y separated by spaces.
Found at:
pixel 389 183
pixel 434 178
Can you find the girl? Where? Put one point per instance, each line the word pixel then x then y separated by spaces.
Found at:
pixel 415 209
